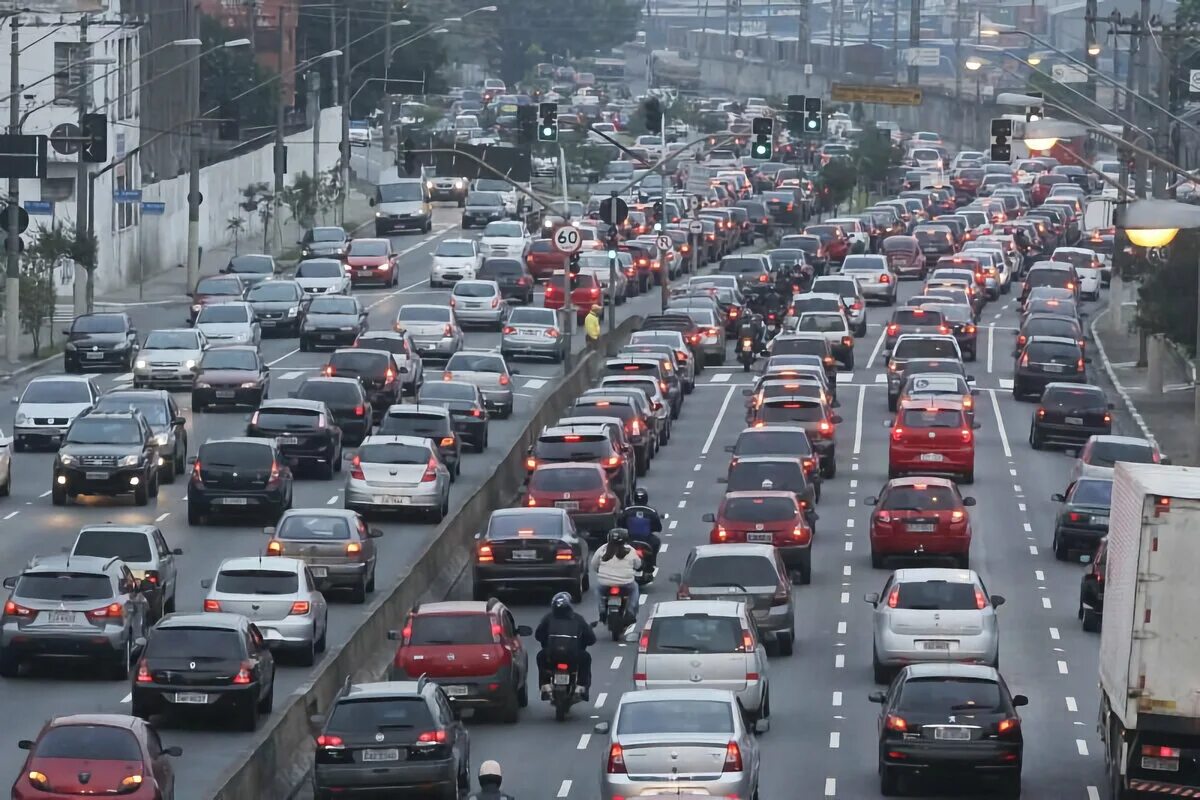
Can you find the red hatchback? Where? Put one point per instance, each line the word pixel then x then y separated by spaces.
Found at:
pixel 544 259
pixel 765 517
pixel 920 517
pixel 371 261
pixel 585 293
pixel 932 437
pixel 581 489
pixel 96 754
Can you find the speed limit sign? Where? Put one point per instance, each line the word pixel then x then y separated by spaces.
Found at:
pixel 567 239
pixel 664 242
pixel 696 227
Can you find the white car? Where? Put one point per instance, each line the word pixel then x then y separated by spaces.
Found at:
pixel 169 358
pixel 854 229
pixel 1088 266
pixel 653 145
pixel 454 260
pixel 398 473
pixel 360 137
pixel 966 155
pixel 48 406
pixel 229 323
pixel 926 158
pixel 504 238
pixel 318 276
pixel 505 189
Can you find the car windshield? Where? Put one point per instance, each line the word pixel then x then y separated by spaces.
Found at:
pixel 317 527
pixel 759 509
pixel 89 743
pixel 566 480
pixel 448 390
pixel 320 269
pixel 1092 493
pixel 949 695
pixel 821 322
pixel 287 418
pixel 466 362
pixel 53 391
pixel 106 543
pixel 532 316
pixel 258 265
pixel 274 290
pixel 257 581
pixel 455 249
pixel 491 185
pixel 327 234
pixel 473 289
pixel 1075 398
pixel 931 418
pixel 209 644
pixel 407 423
pixel 750 476
pixel 1108 453
pixel 732 570
pixel 171 340
pixel 707 717
pixel 63 586
pixel 99 323
pixel 507 230
pixel 393 453
pixel 94 430
pixel 222 314
pixel 235 454
pixel 334 305
pixel 919 497
pixel 695 633
pixel 407 192
pixel 219 286
pixel 225 358
pixel 740 266
pixel 935 595
pixel 372 715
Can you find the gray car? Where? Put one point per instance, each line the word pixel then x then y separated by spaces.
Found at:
pixel 875 277
pixel 488 370
pixel 533 332
pixel 933 614
pixel 1101 453
pixel 679 740
pixel 434 329
pixel 74 607
pixel 169 358
pixel 144 550
pixel 399 473
pixel 336 544
pixel 754 573
pixel 478 302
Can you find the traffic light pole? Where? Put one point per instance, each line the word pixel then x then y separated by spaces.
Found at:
pixel 82 288
pixel 612 264
pixel 12 280
pixel 663 271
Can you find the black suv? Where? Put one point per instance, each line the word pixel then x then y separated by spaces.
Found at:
pixel 110 453
pixel 279 306
pixel 389 736
pixel 374 369
pixel 239 476
pixel 346 400
pixel 167 422
pixel 304 431
pixel 100 340
pixel 1070 414
pixel 1045 360
pixel 434 423
pixel 512 276
pixel 212 662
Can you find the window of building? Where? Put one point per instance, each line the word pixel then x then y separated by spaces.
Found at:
pixel 124 214
pixel 68 70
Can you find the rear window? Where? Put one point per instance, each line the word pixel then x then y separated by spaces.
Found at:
pixel 125 545
pixel 290 418
pixel 332 392
pixel 518 526
pixel 209 644
pixel 787 347
pixel 950 695
pixel 749 476
pixel 1051 327
pixel 1075 259
pixel 235 454
pixel 406 424
pixel 1106 454
pixel 925 348
pixel 935 595
pixel 362 363
pixel 565 480
pixel 673 716
pixel 494 266
pixel 916 316
pixel 765 444
pixel 821 322
pixel 262 265
pixel 1049 277
pixel 1074 398
pixel 1052 352
pixel 919 498
pixel 740 266
pixel 732 570
pixel 805 304
pixel 65 586
pixel 758 509
pixel 92 742
pixel 933 236
pixel 695 633
pixel 316 527
pixel 1092 493
pixel 372 715
pixel 931 418
pixel 438 629
pixel 573 447
pixel 393 453
pixel 792 411
pixel 462 289
pixel 257 581
pixel 473 363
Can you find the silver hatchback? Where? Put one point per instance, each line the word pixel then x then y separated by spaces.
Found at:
pixel 533 332
pixel 933 615
pixel 399 473
pixel 434 329
pixel 488 370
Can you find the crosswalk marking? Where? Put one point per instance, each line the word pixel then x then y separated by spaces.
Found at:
pixel 535 383
pixel 290 376
pixel 721 377
pixel 845 377
pixel 881 378
pixel 1006 383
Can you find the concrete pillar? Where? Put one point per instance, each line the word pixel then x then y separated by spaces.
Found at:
pixel 1156 354
pixel 1116 295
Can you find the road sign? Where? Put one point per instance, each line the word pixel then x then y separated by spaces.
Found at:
pixel 922 56
pixel 664 242
pixel 1068 73
pixel 23 156
pixel 22 218
pixel 151 209
pixel 567 239
pixel 65 130
pixel 878 95
pixel 127 195
pixel 40 207
pixel 614 210
pixel 696 227
pixel 739 54
pixel 1194 81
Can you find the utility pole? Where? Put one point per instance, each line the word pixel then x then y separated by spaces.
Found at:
pixel 12 281
pixel 1090 43
pixel 333 72
pixel 663 276
pixel 914 37
pixel 346 115
pixel 252 27
pixel 82 96
pixel 387 94
pixel 193 154
pixel 958 60
pixel 314 102
pixel 1162 133
pixel 1143 67
pixel 279 151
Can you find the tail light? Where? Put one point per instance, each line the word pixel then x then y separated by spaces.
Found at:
pixel 356 470
pixel 943 329
pixel 275 476
pixel 883 517
pixel 151 576
pixel 783 593
pixel 1012 725
pixel 1025 360
pixel 644 639
pixel 897 434
pixel 453 302
pixel 885 278
pixel 143 673
pixel 389 376
pixel 110 611
pixel 968 403
pixel 1075 516
pixel 196 470
pixel 300 607
pixel 981 600
pixel 612 461
pixel 616 760
pixel 896 723
pixel 504 380
pixel 432 737
pixel 447 331
pixel 635 427
pixel 720 533
pixel 274 547
pixel 893 329
pixel 328 371
pixel 564 555
pixel 733 758
pixel 353 548
pixel 595 291
pixel 748 646
pixel 430 471
pixel 495 304
pixel 966 435
pixel 11 609
pixel 893 598
pixel 253 421
pixel 603 501
pixel 475 412
pixel 809 465
pixel 826 428
pixel 243 676
pixel 330 742
pixel 484 554
pixel 508 330
pixel 212 606
pixel 856 306
pixel 531 463
pixel 1108 419
pixel 1079 365
pixel 970 330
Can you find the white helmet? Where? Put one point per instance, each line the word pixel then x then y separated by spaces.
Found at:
pixel 490 769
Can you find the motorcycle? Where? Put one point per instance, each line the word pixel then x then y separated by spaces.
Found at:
pixel 746 352
pixel 616 611
pixel 562 690
pixel 772 322
pixel 643 549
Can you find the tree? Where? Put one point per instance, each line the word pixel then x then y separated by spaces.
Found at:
pixel 235 225
pixel 257 198
pixel 226 72
pixel 302 198
pixel 875 153
pixel 836 182
pixel 1167 293
pixel 50 246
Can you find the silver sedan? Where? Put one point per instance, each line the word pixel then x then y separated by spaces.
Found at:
pixel 531 331
pixel 398 473
pixel 875 277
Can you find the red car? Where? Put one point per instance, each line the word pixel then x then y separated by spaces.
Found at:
pixel 1042 185
pixel 966 181
pixel 473 649
pixel 920 516
pixel 904 255
pixel 765 517
pixel 932 437
pixel 585 293
pixel 96 754
pixel 371 261
pixel 544 259
pixel 581 489
pixel 216 289
pixel 837 243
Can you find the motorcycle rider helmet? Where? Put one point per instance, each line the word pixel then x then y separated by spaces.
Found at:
pixel 560 602
pixel 640 497
pixel 618 536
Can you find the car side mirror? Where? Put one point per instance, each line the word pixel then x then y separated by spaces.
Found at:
pixel 178 551
pixel 269 530
pixel 729 448
pixel 976 425
pixel 1164 460
pixel 1020 700
pixel 762 726
pixel 968 501
pixel 1058 497
pixel 746 393
pixel 10 582
pixel 764 353
pixel 877 697
pixel 175 751
pixel 394 636
pixel 179 421
pixel 371 202
pixel 888 423
pixel 676 577
pixel 872 598
pixel 206 583
pixel 524 630
pixel 836 419
pixel 25 744
pixel 601 727
pixel 709 518
pixel 998 600
pixel 375 533
pixel 140 642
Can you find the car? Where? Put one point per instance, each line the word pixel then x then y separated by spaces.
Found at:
pixel 875 275
pixel 280 596
pixel 472 649
pixel 834 327
pixel 766 517
pixel 811 413
pixel 77 608
pixel 143 549
pixel 166 421
pixel 790 441
pixel 109 754
pixel 434 329
pixel 483 208
pixel 305 432
pixel 391 737
pixel 748 269
pixel 432 422
pixel 670 348
pixel 960 319
pixel 532 332
pixel 322 276
pixel 919 320
pixel 230 376
pixel 467 410
pixel 911 346
pixel 488 370
pixel 1043 324
pixel 530 548
pixel 1053 274
pixel 710 322
pixel 949 718
pixel 585 443
pixel 337 545
pixel 107 453
pixel 932 436
pixel 1101 452
pixel 637 431
pixel 239 476
pixel 504 238
pixel 677 739
pixel 1082 518
pixel 169 358
pixel 401 204
pixel 650 387
pixel 324 241
pixel 1091 588
pixel 582 489
pixel 406 360
pixel 1045 360
pixel 332 321
pixel 95 341
pixel 543 258
pixel 447 188
pixel 372 261
pixel 376 370
pixel 585 293
pixel 454 260
pixel 615 285
pixel 920 517
pixel 933 614
pixel 222 645
pixel 649 364
pixel 229 323
pixel 511 277
pixel 398 473
pixel 252 268
pixel 920 386
pixel 216 289
pixel 1070 415
pixel 279 306
pixel 479 302
pixel 852 298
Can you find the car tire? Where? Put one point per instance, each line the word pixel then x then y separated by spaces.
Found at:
pixel 829 469
pixel 307 655
pixel 119 669
pixel 247 717
pixel 141 494
pixel 194 516
pixel 58 496
pixel 358 592
pixel 968 477
pixel 889 781
pixel 138 708
pixel 1035 438
pixel 325 470
pixel 877 560
pixel 805 569
pixel 153 483
pixel 1060 548
pixel 1090 620
pixel 787 643
pixel 577 591
pixel 371 581
pixel 6 488
pixel 169 605
pixel 1010 787
pixel 10 665
pixel 882 674
pixel 510 709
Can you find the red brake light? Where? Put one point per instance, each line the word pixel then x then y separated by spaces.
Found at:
pixel 897 434
pixel 484 554
pixel 895 723
pixel 356 470
pixel 1011 725
pixel 616 760
pixel 360 411
pixel 110 611
pixel 733 758
pixel 966 435
pixel 432 737
pixel 893 598
pixel 430 471
pixel 330 741
pixel 143 674
pixel 243 676
pixel 11 609
pixel 1157 751
pixel 212 606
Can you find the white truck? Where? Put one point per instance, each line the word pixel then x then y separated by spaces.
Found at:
pixel 1150 642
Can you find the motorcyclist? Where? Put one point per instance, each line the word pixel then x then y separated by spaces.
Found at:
pixel 489 783
pixel 775 302
pixel 617 564
pixel 751 327
pixel 565 637
pixel 644 524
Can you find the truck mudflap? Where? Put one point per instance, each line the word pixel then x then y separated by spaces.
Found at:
pixel 1168 789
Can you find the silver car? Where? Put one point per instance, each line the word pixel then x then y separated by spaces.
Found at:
pixel 318 276
pixel 433 329
pixel 875 277
pixel 933 615
pixel 648 385
pixel 836 330
pixel 278 595
pixel 675 741
pixel 48 406
pixel 478 302
pixel 754 573
pixel 688 365
pixel 852 298
pixel 229 323
pixel 533 331
pixel 169 358
pixel 711 347
pixel 596 264
pixel 1101 453
pixel 144 550
pixel 488 370
pixel 399 473
pixel 704 643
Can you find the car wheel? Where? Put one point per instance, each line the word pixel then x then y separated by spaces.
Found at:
pixel 153 482
pixel 1035 438
pixel 247 718
pixel 829 469
pixel 325 471
pixel 306 656
pixel 194 516
pixel 358 592
pixel 169 605
pixel 968 477
pixel 1060 548
pixel 882 674
pixel 10 665
pixel 6 489
pixel 119 671
pixel 577 590
pixel 805 569
pixel 889 781
pixel 321 641
pixel 787 643
pixel 58 496
pixel 1091 620
pixel 877 560
pixel 141 494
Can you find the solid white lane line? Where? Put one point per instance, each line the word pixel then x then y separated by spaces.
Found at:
pixel 162 516
pixel 721 377
pixel 1062 668
pixel 835 740
pixel 858 420
pixel 1054 634
pixel 837 698
pixel 1000 423
pixel 616 662
pixel 1071 705
pixel 991 339
pixel 717 425
pixel 11 514
pixel 288 354
pixel 564 789
pixel 831 787
pixel 600 698
pixel 878 347
pixel 1081 746
pixel 1093 793
pixel 583 741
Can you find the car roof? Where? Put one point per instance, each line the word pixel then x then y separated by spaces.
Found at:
pixel 919 574
pixel 947 669
pixel 408 409
pixel 653 695
pixel 272 564
pixel 368 350
pixel 68 378
pixel 564 430
pixel 107 720
pixel 64 562
pixel 773 428
pixel 734 549
pixel 219 620
pixel 558 465
pixel 291 402
pixel 1112 438
pixel 521 511
pixel 388 438
pixel 120 526
pixel 921 480
pixel 382 689
pixel 327 379
pixel 457 606
pixel 688 608
pixel 319 512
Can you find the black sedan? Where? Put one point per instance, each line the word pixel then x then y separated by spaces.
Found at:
pixel 532 548
pixel 464 401
pixel 1069 414
pixel 332 322
pixel 279 306
pixel 1091 589
pixel 949 719
pixel 325 241
pixel 1082 516
pixel 304 431
pixel 100 340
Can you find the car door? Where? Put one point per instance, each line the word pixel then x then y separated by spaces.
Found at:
pixel 453 724
pixel 261 659
pixel 168 570
pixel 160 763
pixel 514 645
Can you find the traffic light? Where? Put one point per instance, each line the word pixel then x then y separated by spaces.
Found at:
pixel 795 113
pixel 573 264
pixel 548 127
pixel 1002 131
pixel 229 128
pixel 612 239
pixel 527 124
pixel 95 128
pixel 1034 112
pixel 814 122
pixel 656 211
pixel 763 129
pixel 652 113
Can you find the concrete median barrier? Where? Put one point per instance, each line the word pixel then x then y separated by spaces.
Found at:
pixel 279 759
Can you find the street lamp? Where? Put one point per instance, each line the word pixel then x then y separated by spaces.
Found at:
pixel 974 64
pixel 1093 49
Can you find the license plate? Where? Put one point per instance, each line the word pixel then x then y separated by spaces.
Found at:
pixel 373 756
pixel 363 273
pixel 457 691
pixel 1074 420
pixel 93 356
pixel 935 645
pixel 319 572
pixel 921 528
pixel 191 698
pixel 1099 520
pixel 934 457
pixel 524 555
pixel 1052 367
pixel 562 679
pixel 233 501
pixel 929 249
pixel 614 604
pixel 62 618
pixel 282 440
pixel 759 538
pixel 392 500
pixel 266 323
pixel 569 505
pixel 1163 764
pixel 326 337
pixel 226 394
pixel 528 332
pixel 952 734
pixel 96 476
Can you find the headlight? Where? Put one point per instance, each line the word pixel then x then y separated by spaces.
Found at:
pixel 121 346
pixel 379 214
pixel 203 385
pixel 420 212
pixel 141 363
pixel 66 459
pixel 160 439
pixel 241 337
pixel 547 224
pixel 190 363
pixel 195 307
pixel 293 311
pixel 70 347
pixel 130 461
pixel 20 419
pixel 458 184
pixel 249 385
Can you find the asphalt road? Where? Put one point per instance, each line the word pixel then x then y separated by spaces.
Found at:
pixel 30 525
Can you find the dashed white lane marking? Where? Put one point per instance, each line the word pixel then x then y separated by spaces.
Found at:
pixel 690 484
pixel 696 468
pixel 1062 668
pixel 991 340
pixel 1017 488
pixel 683 503
pixel 616 662
pixel 881 378
pixel 831 787
pixel 535 383
pixel 127 698
pixel 1071 705
pixel 1093 793
pixel 1020 506
pixel 1006 383
pixel 664 547
pixel 850 523
pixel 1028 528
pixel 835 740
pixel 565 788
pixel 1054 634
pixel 162 516
pixel 290 376
pixel 600 698
pixel 45 493
pixel 854 483
pixel 331 500
pixel 1081 746
pixel 1038 574
pixel 846 570
pixel 1033 551
pixel 852 503
pixel 849 546
pixel 845 597
pixel 839 661
pixel 288 354
pixel 841 628
pixel 583 741
pixel 1012 472
pixel 837 698
pixel 674 524
pixel 721 377
pixel 1000 423
pixel 1046 602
